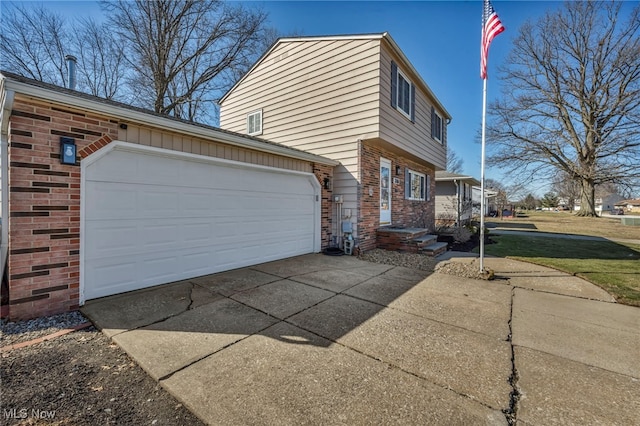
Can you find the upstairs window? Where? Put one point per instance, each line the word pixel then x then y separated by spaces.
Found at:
pixel 403 93
pixel 436 125
pixel 254 123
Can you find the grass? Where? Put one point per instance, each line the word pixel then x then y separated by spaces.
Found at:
pixel 568 223
pixel 615 267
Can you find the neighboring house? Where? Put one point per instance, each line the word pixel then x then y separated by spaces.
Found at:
pixel 357 100
pixel 565 203
pixel 489 201
pixel 630 206
pixel 143 200
pixel 454 198
pixel 607 203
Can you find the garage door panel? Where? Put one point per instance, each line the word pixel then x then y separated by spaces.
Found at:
pixel 175 218
pixel 111 199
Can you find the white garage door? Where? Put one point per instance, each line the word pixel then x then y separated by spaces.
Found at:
pixel 152 216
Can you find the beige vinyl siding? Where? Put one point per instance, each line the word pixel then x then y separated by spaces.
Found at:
pixel 319 96
pixel 397 129
pixel 163 139
pixel 445 204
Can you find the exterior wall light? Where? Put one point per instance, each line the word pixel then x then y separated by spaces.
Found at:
pixel 398 169
pixel 67 150
pixel 326 183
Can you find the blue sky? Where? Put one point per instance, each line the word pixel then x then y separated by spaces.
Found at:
pixel 440 38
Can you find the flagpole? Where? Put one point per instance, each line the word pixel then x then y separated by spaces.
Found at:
pixel 482 194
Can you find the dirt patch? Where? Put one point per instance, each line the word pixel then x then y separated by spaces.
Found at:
pixel 465 270
pixel 82 378
pixel 396 258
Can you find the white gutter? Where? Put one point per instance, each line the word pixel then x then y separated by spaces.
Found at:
pixel 5 113
pixel 135 117
pixel 455 182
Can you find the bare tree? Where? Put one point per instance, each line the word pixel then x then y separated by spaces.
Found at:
pixel 565 186
pixel 34 43
pixel 571 99
pixel 186 53
pixel 101 62
pixel 454 163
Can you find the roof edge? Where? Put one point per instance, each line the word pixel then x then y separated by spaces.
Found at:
pixel 371 36
pixel 407 62
pixel 281 40
pixel 48 92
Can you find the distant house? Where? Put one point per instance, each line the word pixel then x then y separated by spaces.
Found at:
pixel 607 203
pixel 358 100
pixel 630 206
pixel 454 198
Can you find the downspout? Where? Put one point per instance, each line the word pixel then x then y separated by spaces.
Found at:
pixel 455 182
pixel 7 105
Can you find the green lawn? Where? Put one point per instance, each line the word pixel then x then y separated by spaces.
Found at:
pixel 613 266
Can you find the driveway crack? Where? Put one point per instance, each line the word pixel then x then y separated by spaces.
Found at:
pixel 511 413
pixel 193 287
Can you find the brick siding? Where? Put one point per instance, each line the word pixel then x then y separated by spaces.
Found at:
pixel 44 206
pixel 405 213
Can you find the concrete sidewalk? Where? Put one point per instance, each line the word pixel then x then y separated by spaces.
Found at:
pixel 334 340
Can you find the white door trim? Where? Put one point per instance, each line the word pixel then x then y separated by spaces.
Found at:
pixel 385 191
pixel 136 148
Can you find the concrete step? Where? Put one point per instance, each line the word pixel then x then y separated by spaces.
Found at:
pixel 434 249
pixel 425 240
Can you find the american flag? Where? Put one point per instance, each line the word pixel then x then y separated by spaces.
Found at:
pixel 491 27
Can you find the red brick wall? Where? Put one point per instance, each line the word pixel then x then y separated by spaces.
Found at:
pixel 323 171
pixel 44 206
pixel 406 213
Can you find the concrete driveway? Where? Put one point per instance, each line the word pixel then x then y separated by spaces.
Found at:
pixel 334 340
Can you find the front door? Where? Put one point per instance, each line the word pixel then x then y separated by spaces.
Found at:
pixel 385 192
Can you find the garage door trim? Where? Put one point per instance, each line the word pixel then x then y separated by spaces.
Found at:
pixel 161 152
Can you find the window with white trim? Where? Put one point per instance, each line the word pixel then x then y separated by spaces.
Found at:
pixel 436 125
pixel 417 186
pixel 403 93
pixel 254 123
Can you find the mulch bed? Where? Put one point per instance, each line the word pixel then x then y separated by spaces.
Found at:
pixel 82 378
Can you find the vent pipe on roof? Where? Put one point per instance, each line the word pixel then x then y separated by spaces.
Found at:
pixel 71 71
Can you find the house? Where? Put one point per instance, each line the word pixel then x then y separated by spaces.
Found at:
pixel 607 203
pixel 490 205
pixel 323 136
pixel 357 100
pixel 100 198
pixel 629 206
pixel 454 198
